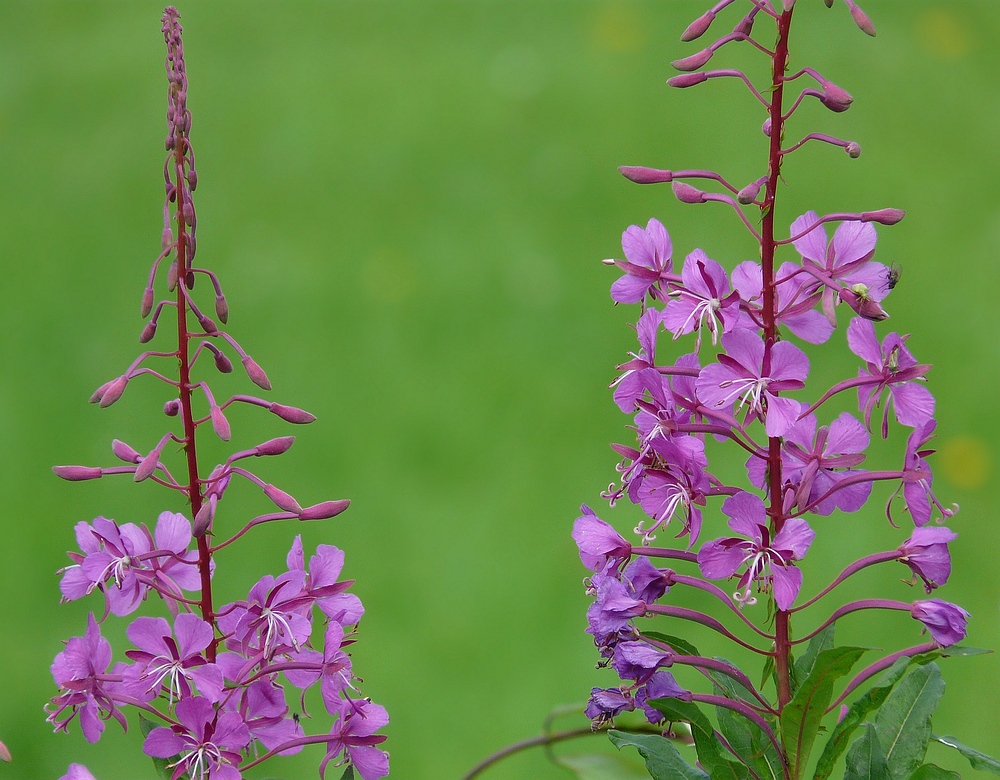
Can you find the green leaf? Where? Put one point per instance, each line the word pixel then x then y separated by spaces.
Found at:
pixel 978 760
pixel 803 667
pixel 801 717
pixel 934 772
pixel 744 736
pixel 682 646
pixel 865 759
pixel 663 761
pixel 904 721
pixel 162 765
pixel 767 671
pixel 348 773
pixel 710 751
pixel 962 651
pixel 597 767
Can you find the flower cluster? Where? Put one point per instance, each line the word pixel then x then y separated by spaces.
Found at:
pixel 209 682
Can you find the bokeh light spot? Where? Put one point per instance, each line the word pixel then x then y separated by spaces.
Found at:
pixel 940 33
pixel 617 27
pixel 965 462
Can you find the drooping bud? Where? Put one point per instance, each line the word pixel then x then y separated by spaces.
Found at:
pixel 148 332
pixel 835 98
pixel 685 193
pixel 853 150
pixel 291 414
pixel 883 216
pixel 687 80
pixel 766 127
pixel 745 27
pixel 222 308
pixel 325 510
pixel 220 424
pixel 203 519
pixel 694 61
pixel 192 177
pixel 748 194
pixel 698 27
pixel 206 322
pixel 172 276
pixel 113 391
pixel 124 452
pixel 256 373
pixel 172 407
pixel 100 391
pixel 281 499
pixel 858 299
pixel 862 21
pixel 147 302
pixel 274 446
pixel 222 362
pixel 148 465
pixel 77 473
pixel 642 175
pixel 166 238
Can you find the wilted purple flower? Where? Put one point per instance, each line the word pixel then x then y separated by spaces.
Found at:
pixel 740 375
pixel 661 685
pixel 353 734
pixel 926 553
pixel 647 264
pixel 646 582
pixel 613 608
pixel 638 660
pixel 891 367
pixel 704 302
pixel 946 622
pixel 601 547
pixel 208 742
pixel 165 663
pixel 767 562
pixel 81 672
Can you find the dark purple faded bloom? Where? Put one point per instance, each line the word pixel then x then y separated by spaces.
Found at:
pixel 165 663
pixel 613 608
pixel 946 622
pixel 208 742
pixel 661 685
pixel 647 264
pixel 605 704
pixel 926 553
pixel 740 375
pixel 80 671
pixel 601 547
pixel 644 581
pixel 704 302
pixel 767 562
pixel 891 368
pixel 353 734
pixel 638 660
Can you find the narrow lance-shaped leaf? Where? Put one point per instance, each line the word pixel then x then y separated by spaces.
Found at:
pixel 865 759
pixel 904 721
pixel 663 761
pixel 978 760
pixel 803 667
pixel 934 772
pixel 710 750
pixel 744 736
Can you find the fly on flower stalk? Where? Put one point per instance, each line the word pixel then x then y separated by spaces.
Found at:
pixel 207 681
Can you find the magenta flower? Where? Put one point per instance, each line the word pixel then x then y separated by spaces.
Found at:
pixel 740 375
pixel 77 772
pixel 353 734
pixel 796 298
pixel 263 709
pixel 769 564
pixel 890 368
pixel 918 479
pixel 271 619
pixel 661 685
pixel 662 495
pixel 946 622
pixel 605 704
pixel 208 742
pixel 321 585
pixel 165 663
pixel 80 671
pixel 704 302
pixel 926 553
pixel 601 547
pixel 639 374
pixel 332 668
pixel 647 264
pixel 613 608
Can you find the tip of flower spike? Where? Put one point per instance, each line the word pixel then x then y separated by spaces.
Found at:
pixel 325 510
pixel 642 175
pixel 291 414
pixel 698 27
pixel 77 473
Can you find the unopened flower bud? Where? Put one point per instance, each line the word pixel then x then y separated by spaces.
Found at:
pixel 147 302
pixel 172 407
pixel 291 414
pixel 693 62
pixel 274 446
pixel 203 519
pixel 766 127
pixel 222 308
pixel 256 374
pixel 77 473
pixel 190 277
pixel 858 299
pixel 281 499
pixel 749 193
pixel 124 452
pixel 698 27
pixel 745 27
pixel 837 94
pixel 206 322
pixel 147 466
pixel 883 216
pixel 862 21
pixel 167 238
pixel 853 150
pixel 148 332
pixel 220 424
pixel 172 276
pixel 325 510
pixel 788 5
pixel 187 211
pixel 642 175
pixel 100 391
pixel 685 193
pixel 113 391
pixel 192 178
pixel 687 80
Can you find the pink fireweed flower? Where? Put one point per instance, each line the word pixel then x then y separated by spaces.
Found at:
pixel 946 622
pixel 77 772
pixel 796 298
pixel 769 564
pixel 890 368
pixel 332 668
pixel 163 662
pixel 602 548
pixel 918 494
pixel 665 494
pixel 741 376
pixel 926 553
pixel 207 742
pixel 647 263
pixel 639 375
pixel 703 302
pixel 271 619
pixel 321 584
pixel 353 734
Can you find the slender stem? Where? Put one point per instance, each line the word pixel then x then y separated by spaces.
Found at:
pixel 855 567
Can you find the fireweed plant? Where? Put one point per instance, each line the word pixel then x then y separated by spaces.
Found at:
pixel 207 680
pixel 743 381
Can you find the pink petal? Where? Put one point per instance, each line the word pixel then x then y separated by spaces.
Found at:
pixel 786 581
pixel 748 279
pixel 781 414
pixel 863 342
pixel 847 435
pixel 813 244
pixel 914 404
pixel 852 241
pixel 173 532
pixel 718 562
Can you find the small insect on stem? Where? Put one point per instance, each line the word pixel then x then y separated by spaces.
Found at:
pixel 892 274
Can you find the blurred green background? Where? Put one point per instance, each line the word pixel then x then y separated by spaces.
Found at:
pixel 407 203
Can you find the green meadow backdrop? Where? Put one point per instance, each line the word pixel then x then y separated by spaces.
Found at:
pixel 407 202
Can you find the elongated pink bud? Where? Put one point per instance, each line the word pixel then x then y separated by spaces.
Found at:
pixel 275 446
pixel 148 332
pixel 749 193
pixel 206 322
pixel 147 466
pixel 113 392
pixel 281 499
pixel 325 510
pixel 77 473
pixel 124 452
pixel 837 94
pixel 687 80
pixel 147 302
pixel 256 374
pixel 685 193
pixel 192 178
pixel 862 21
pixel 203 520
pixel 291 414
pixel 694 61
pixel 222 308
pixel 172 276
pixel 642 175
pixel 98 394
pixel 698 27
pixel 883 216
pixel 220 424
pixel 223 363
